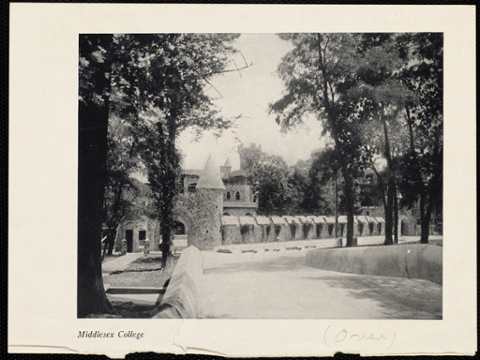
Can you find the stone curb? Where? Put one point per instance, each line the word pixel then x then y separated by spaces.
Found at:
pixel 408 261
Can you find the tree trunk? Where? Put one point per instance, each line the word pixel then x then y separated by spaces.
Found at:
pixel 111 241
pixel 350 203
pixel 431 197
pixel 92 145
pixel 389 212
pixel 112 234
pixel 165 247
pixel 425 223
pixel 390 184
pixel 395 216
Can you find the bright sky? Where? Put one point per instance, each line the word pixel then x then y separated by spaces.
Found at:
pixel 249 95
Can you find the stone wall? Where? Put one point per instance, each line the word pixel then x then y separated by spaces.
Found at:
pixel 409 261
pixel 308 230
pixel 269 229
pixel 201 213
pixel 259 233
pixel 231 234
pixel 207 214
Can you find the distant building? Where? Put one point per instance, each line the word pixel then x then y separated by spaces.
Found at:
pixel 205 196
pixel 217 206
pixel 408 219
pixel 238 197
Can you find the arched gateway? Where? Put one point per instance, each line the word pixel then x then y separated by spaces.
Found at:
pixel 184 216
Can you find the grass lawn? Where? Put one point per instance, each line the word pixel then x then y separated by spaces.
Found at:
pixel 146 271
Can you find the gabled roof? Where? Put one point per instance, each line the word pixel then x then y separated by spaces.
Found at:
pixel 277 220
pixel 246 220
pixel 262 220
pixel 304 219
pixel 366 219
pixel 230 220
pixel 210 177
pixel 291 219
pixel 318 219
pixel 342 219
pixel 330 219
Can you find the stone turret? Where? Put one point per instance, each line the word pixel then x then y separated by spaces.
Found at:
pixel 210 177
pixel 209 192
pixel 227 168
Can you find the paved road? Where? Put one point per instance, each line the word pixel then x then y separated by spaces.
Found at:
pixel 278 285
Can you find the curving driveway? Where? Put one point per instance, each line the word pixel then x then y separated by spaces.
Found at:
pixel 278 285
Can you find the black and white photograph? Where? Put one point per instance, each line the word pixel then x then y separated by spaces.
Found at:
pixel 209 179
pixel 327 203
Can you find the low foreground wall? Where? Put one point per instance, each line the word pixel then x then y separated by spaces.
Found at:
pixel 409 261
pixel 181 298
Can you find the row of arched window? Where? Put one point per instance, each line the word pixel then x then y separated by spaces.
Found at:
pixel 192 186
pixel 237 196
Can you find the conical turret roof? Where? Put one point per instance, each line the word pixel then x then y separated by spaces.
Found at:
pixel 210 177
pixel 228 164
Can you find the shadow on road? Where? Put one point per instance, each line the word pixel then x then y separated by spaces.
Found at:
pixel 401 298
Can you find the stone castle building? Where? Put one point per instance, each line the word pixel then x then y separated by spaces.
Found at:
pixel 217 206
pixel 205 197
pixel 238 197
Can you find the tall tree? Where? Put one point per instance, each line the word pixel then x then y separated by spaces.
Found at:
pixel 177 69
pixel 318 73
pixel 158 83
pixel 422 73
pixel 269 178
pixel 382 98
pixel 121 188
pixel 95 67
pixel 325 176
pixel 302 187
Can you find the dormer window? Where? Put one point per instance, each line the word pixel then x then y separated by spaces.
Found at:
pixel 237 196
pixel 228 195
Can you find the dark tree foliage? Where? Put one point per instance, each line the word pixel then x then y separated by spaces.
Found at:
pixel 381 98
pixel 174 73
pixel 422 74
pixel 122 190
pixel 270 178
pixel 374 94
pixel 318 74
pixel 156 83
